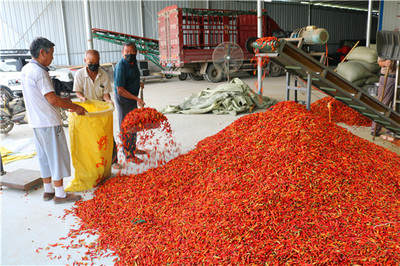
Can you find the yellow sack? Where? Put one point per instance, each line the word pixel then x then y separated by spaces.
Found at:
pixel 91 144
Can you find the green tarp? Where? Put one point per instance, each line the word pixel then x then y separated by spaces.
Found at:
pixel 228 98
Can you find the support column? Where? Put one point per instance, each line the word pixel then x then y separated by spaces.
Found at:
pixel 88 24
pixel 141 57
pixel 259 35
pixel 368 41
pixel 65 33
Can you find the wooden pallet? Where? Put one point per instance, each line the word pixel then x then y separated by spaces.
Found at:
pixel 23 179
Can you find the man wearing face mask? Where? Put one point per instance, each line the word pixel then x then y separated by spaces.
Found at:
pixel 93 83
pixel 127 85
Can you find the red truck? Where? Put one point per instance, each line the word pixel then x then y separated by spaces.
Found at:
pixel 188 37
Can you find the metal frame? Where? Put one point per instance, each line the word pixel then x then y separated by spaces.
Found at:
pixel 396 88
pixel 295 88
pixel 147 47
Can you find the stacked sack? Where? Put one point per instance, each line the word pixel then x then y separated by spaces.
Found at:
pixel 362 68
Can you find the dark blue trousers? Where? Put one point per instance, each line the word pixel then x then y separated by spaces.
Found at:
pixel 124 106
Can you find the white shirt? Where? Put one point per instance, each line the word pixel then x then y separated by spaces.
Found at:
pixel 92 90
pixel 36 83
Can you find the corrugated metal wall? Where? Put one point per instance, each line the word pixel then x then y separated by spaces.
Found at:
pixel 391 10
pixel 21 21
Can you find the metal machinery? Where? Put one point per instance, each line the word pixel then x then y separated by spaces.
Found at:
pixel 300 64
pixel 147 47
pixel 188 38
pixel 311 35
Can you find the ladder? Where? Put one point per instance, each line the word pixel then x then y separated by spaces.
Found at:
pixel 301 64
pixel 147 47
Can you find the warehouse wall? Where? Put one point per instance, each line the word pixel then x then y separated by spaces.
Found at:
pixel 390 15
pixel 21 21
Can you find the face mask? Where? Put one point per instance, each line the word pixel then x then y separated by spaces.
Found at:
pixel 93 67
pixel 130 58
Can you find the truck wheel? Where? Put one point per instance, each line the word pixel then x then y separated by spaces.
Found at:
pixel 213 74
pixel 168 76
pixel 182 76
pixel 195 77
pixel 274 70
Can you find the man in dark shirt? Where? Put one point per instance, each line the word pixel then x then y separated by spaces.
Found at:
pixel 127 85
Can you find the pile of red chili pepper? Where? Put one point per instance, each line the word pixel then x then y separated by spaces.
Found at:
pixel 281 187
pixel 338 112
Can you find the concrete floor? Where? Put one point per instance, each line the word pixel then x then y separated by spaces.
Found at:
pixel 28 223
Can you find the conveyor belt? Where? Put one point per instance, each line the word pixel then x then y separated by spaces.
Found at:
pixel 299 63
pixel 147 47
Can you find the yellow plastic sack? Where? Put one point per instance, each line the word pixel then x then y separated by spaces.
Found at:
pixel 91 144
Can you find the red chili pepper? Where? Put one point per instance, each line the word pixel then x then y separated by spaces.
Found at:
pixel 284 186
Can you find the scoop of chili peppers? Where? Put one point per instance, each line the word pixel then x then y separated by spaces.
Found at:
pixel 142 121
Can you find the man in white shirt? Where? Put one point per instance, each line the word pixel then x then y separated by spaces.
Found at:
pixel 44 117
pixel 93 83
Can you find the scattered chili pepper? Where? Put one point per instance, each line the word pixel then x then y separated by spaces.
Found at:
pixel 282 187
pixel 262 42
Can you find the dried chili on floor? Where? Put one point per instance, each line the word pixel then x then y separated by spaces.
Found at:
pixel 279 187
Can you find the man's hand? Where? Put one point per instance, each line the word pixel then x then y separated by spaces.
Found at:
pixel 79 109
pixel 140 103
pixel 109 101
pixel 81 96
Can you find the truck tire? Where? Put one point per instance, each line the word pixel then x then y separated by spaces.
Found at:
pixel 195 77
pixel 182 76
pixel 274 70
pixel 213 74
